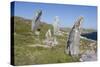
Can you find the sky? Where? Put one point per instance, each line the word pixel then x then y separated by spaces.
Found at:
pixel 67 14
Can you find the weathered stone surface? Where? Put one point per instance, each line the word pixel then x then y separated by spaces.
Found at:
pixel 73 42
pixel 89 55
pixel 56 25
pixel 36 20
pixel 48 34
pixel 50 40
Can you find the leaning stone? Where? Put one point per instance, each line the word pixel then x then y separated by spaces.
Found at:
pixel 72 47
pixel 36 20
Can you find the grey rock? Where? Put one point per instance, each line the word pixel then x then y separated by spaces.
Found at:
pixel 89 55
pixel 50 40
pixel 56 25
pixel 72 47
pixel 36 20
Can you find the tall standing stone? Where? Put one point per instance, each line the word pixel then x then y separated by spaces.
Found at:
pixel 56 25
pixel 73 42
pixel 36 20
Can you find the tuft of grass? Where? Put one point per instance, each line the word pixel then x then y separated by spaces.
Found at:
pixel 38 55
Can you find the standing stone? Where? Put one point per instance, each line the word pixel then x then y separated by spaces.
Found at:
pixel 36 20
pixel 56 26
pixel 48 34
pixel 73 42
pixel 49 39
pixel 55 41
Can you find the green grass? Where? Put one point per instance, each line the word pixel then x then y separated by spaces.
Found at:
pixel 25 55
pixel 38 55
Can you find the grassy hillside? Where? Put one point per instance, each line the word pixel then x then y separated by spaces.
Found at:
pixel 83 30
pixel 23 37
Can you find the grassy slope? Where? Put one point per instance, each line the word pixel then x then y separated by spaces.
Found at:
pixel 36 55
